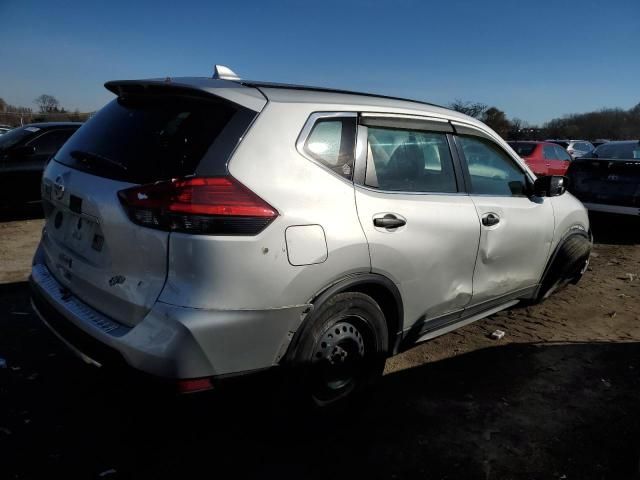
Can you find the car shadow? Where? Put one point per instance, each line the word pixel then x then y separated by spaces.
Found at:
pixel 615 229
pixel 26 211
pixel 511 411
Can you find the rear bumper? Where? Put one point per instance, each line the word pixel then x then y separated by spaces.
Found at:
pixel 171 341
pixel 619 209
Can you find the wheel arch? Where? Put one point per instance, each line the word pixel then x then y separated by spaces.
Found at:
pixel 378 287
pixel 575 230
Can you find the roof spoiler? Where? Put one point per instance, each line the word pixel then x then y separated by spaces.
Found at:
pixel 233 91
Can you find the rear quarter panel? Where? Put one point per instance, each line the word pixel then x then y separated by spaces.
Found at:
pixel 219 272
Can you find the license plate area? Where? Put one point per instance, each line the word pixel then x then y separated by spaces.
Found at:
pixel 80 233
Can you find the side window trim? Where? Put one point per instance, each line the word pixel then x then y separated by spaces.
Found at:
pixel 459 164
pixel 311 122
pixel 405 121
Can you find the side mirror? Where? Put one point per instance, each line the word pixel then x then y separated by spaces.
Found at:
pixel 23 151
pixel 551 186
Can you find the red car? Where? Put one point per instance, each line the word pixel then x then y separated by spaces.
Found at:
pixel 543 158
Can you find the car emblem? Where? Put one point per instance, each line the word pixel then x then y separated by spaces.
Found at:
pixel 613 177
pixel 58 188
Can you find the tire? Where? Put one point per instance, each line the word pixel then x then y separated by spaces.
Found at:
pixel 568 265
pixel 339 352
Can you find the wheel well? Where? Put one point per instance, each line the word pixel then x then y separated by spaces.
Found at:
pixel 556 264
pixel 388 304
pixel 380 288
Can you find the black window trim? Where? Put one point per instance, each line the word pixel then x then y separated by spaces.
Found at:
pixel 311 122
pixel 362 152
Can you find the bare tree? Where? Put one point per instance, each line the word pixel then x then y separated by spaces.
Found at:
pixel 497 120
pixel 47 103
pixel 473 109
pixel 518 129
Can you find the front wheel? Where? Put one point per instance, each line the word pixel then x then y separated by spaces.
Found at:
pixel 341 350
pixel 568 266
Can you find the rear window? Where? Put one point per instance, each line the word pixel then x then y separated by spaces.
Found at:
pixel 564 145
pixel 629 150
pixel 523 149
pixel 142 139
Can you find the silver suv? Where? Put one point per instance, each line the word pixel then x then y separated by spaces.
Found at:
pixel 199 228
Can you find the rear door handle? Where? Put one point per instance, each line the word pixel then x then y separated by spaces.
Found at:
pixel 389 221
pixel 490 219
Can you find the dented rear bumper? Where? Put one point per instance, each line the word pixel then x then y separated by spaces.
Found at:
pixel 171 341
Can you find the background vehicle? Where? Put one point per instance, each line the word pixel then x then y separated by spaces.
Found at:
pixel 4 129
pixel 198 228
pixel 544 158
pixel 575 148
pixel 599 141
pixel 24 152
pixel 608 180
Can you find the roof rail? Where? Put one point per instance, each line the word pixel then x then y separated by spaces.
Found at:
pixel 258 84
pixel 222 72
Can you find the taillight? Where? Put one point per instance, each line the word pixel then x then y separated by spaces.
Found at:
pixel 203 205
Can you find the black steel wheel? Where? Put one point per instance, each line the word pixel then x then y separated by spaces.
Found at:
pixel 341 349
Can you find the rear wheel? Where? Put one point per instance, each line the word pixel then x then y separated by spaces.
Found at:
pixel 341 350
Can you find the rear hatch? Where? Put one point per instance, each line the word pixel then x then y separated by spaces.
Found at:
pixel 606 181
pixel 149 134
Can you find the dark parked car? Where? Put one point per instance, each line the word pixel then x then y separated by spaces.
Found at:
pixel 608 180
pixel 24 152
pixel 543 158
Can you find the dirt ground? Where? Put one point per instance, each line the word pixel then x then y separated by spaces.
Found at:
pixel 557 398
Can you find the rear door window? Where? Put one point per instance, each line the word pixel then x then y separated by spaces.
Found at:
pixel 550 152
pixel 409 161
pixel 147 138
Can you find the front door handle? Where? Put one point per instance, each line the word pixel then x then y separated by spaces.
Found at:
pixel 490 219
pixel 389 221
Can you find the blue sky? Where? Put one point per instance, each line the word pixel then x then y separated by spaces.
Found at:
pixel 533 59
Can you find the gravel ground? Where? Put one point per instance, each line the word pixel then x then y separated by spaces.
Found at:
pixel 557 397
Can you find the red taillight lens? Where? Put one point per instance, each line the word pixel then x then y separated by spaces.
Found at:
pixel 207 205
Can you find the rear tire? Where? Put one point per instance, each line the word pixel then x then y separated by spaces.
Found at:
pixel 340 351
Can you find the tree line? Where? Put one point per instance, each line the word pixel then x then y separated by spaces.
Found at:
pixel 608 123
pixel 48 109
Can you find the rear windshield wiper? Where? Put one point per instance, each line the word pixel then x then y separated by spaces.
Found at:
pixel 90 157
